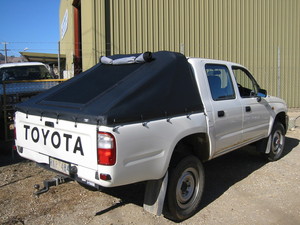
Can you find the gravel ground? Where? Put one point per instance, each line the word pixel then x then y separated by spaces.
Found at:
pixel 241 188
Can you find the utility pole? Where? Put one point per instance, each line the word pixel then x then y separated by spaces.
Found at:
pixel 278 73
pixel 58 61
pixel 5 50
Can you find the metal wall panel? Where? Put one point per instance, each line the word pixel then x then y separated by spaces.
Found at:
pixel 67 40
pixel 93 32
pixel 260 34
pixel 263 35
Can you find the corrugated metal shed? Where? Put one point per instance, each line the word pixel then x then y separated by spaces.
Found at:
pixel 260 34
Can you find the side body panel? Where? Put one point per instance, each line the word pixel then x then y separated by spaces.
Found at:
pixel 243 120
pixel 145 150
pixel 225 130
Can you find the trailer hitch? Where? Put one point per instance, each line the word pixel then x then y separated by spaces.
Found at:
pixel 59 179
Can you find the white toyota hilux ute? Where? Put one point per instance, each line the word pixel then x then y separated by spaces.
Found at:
pixel 151 117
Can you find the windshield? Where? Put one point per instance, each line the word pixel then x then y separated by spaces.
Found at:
pixel 24 73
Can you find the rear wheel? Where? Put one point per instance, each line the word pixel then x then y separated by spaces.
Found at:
pixel 186 183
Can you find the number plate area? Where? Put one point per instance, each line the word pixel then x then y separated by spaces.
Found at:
pixel 60 166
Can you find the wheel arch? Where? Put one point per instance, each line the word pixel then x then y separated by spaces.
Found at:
pixel 283 119
pixel 194 144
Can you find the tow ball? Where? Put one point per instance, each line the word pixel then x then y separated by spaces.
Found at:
pixel 59 179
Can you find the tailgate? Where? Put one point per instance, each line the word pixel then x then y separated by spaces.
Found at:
pixel 60 139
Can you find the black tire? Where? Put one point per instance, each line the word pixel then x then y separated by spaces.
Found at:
pixel 185 188
pixel 277 142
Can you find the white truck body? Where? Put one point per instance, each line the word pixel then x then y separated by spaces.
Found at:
pixel 144 150
pixel 142 158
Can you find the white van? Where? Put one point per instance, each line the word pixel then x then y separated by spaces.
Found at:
pixel 24 71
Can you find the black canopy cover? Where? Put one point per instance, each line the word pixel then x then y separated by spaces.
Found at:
pixel 118 94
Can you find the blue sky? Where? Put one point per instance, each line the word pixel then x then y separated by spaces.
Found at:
pixel 32 24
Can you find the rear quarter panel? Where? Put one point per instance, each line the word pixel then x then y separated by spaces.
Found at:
pixel 144 151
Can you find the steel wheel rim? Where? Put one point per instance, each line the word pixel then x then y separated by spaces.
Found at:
pixel 187 188
pixel 277 142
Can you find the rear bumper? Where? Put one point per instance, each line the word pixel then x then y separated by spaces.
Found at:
pixel 74 176
pixel 79 173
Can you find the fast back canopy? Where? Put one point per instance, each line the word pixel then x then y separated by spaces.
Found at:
pixel 113 94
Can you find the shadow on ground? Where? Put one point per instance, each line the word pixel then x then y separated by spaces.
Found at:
pixel 224 172
pixel 221 174
pixel 7 155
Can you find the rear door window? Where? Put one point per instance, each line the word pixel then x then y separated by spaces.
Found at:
pixel 220 82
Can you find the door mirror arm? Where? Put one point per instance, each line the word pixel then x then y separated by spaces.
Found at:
pixel 258 98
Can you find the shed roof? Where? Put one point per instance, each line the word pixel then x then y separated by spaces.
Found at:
pixel 42 57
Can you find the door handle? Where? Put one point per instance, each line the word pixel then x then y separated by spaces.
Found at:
pixel 221 113
pixel 248 109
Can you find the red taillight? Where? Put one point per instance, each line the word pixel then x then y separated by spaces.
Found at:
pixel 15 133
pixel 106 149
pixel 105 176
pixel 14 147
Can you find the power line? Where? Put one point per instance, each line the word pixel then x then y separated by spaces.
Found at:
pixel 33 42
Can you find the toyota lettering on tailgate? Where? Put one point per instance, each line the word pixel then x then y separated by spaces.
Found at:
pixel 55 138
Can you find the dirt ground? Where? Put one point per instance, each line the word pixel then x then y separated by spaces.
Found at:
pixel 241 188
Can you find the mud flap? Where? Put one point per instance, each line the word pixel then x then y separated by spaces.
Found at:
pixel 155 195
pixel 268 147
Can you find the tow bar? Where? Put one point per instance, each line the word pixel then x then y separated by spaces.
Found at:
pixel 59 179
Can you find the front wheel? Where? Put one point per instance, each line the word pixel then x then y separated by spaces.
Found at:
pixel 277 141
pixel 186 183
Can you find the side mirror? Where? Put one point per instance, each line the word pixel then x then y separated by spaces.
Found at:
pixel 262 93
